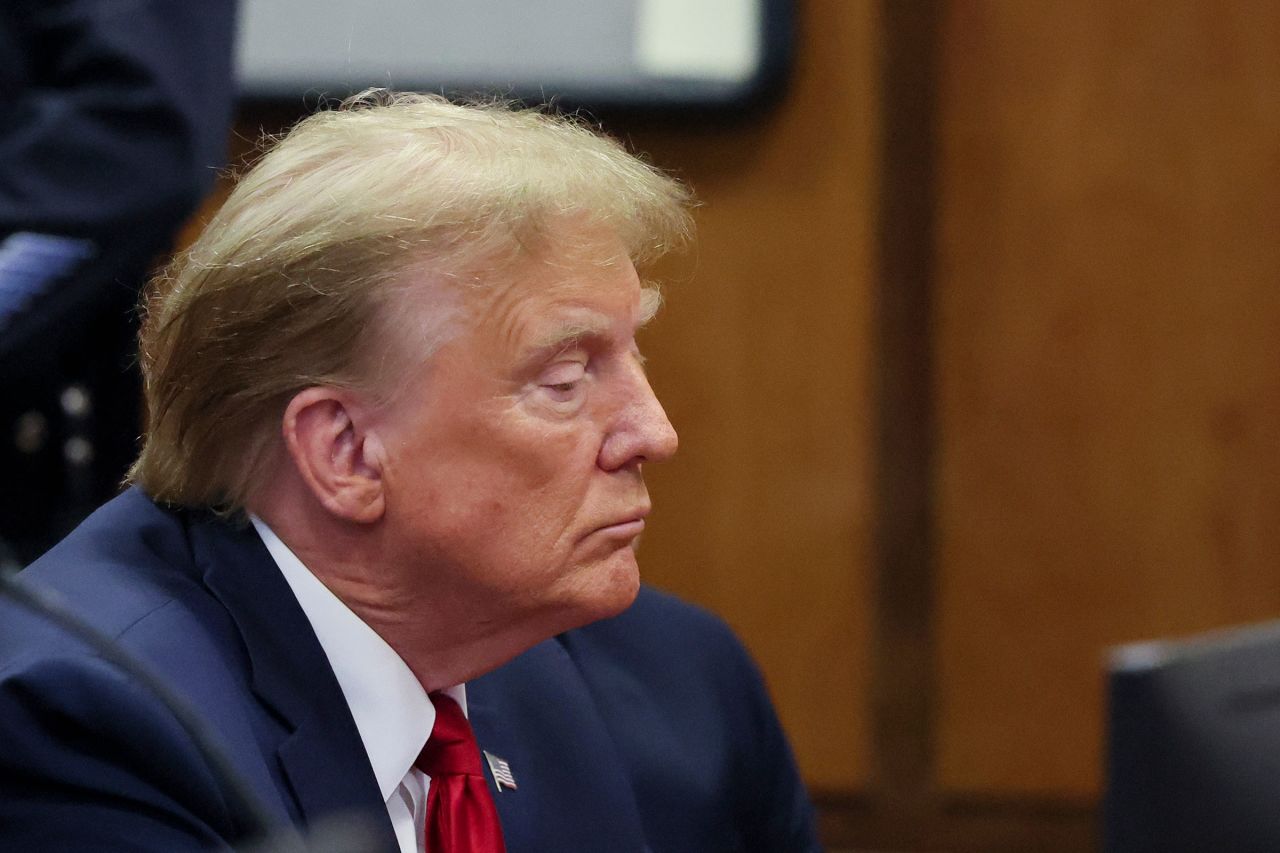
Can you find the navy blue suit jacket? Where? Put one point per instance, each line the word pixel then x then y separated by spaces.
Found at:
pixel 649 731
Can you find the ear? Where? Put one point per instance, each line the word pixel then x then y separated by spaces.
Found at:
pixel 339 462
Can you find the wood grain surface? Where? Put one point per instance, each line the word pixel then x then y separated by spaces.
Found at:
pixel 1108 351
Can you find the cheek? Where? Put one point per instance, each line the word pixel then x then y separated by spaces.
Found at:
pixel 501 474
pixel 488 487
pixel 539 459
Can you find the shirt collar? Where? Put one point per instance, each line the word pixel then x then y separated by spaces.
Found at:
pixel 392 712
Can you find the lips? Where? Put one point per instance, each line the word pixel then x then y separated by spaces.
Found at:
pixel 624 529
pixel 628 526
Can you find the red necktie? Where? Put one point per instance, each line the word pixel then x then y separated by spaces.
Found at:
pixel 461 816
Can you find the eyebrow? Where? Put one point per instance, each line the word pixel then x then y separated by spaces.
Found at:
pixel 566 335
pixel 596 325
pixel 650 302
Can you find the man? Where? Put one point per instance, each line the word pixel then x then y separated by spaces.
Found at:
pixel 397 422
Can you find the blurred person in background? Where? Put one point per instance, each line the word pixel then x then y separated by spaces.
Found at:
pixel 117 115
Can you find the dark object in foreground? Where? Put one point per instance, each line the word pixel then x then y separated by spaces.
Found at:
pixel 1194 745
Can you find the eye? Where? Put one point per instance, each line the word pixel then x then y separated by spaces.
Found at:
pixel 563 380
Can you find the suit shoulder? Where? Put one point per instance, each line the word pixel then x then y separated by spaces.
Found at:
pixel 128 572
pixel 662 618
pixel 127 559
pixel 661 639
pixel 692 720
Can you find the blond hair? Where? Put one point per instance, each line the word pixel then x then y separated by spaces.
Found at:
pixel 292 282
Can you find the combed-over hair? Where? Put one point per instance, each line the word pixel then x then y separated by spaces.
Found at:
pixel 293 281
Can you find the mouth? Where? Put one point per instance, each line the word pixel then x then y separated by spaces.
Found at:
pixel 623 529
pixel 627 527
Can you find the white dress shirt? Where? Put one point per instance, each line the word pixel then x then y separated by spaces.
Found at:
pixel 393 713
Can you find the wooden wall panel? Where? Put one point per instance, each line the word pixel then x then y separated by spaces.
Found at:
pixel 1108 362
pixel 763 359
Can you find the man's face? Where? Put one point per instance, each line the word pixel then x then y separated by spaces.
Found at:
pixel 513 472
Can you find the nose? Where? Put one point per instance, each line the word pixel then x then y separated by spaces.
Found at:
pixel 641 431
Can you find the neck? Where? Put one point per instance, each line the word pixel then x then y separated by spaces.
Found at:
pixel 444 635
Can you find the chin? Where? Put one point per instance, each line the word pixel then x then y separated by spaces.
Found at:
pixel 611 590
pixel 623 594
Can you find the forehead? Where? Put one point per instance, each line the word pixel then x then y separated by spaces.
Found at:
pixel 563 292
pixel 497 313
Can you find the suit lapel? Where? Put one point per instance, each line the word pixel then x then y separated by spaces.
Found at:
pixel 322 756
pixel 536 714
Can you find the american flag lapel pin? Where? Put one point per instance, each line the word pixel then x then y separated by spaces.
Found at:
pixel 501 771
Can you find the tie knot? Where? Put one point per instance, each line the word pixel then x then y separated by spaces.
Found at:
pixel 451 749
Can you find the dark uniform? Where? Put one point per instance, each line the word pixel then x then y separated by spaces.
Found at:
pixel 117 120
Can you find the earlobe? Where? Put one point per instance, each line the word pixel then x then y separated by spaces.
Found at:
pixel 336 458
